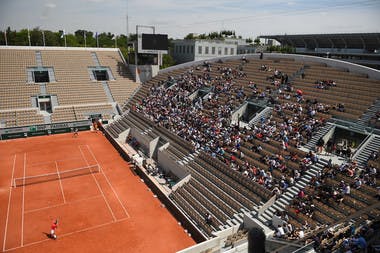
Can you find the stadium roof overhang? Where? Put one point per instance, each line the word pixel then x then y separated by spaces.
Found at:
pixel 366 41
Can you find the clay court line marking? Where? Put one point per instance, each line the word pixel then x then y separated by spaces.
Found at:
pixel 96 181
pixel 109 183
pixel 23 203
pixel 62 204
pixel 68 234
pixel 60 182
pixel 9 203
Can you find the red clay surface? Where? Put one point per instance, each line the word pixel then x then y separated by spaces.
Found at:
pixel 108 211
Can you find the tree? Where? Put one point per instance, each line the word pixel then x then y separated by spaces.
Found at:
pixel 257 41
pixel 190 36
pixel 214 35
pixel 21 38
pixel 167 61
pixel 249 40
pixel 52 38
pixel 202 36
pixel 36 37
pixel 71 40
pixel 228 33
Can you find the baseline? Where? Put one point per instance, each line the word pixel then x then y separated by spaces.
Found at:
pixel 68 234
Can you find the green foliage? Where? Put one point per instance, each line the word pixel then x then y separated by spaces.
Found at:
pixel 167 61
pixel 281 49
pixel 190 36
pixel 212 35
pixel 257 41
pixel 20 38
pixel 228 33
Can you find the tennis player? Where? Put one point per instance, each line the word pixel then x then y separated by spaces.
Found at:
pixel 75 132
pixel 54 226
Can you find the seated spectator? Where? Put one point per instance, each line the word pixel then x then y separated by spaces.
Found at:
pixel 208 218
pixel 280 231
pixel 340 107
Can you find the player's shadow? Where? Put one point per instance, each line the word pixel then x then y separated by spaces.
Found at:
pixel 47 235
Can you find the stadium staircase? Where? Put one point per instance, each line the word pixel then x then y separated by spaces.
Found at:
pixel 108 92
pixel 322 132
pixel 286 197
pixel 362 155
pixel 371 112
pixel 43 89
pixel 95 59
pixel 39 59
pixel 47 116
pixel 265 113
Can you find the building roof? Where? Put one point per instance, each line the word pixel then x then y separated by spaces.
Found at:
pixel 366 41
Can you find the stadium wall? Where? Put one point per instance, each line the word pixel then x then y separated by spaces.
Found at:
pixel 352 67
pixel 178 214
pixel 144 72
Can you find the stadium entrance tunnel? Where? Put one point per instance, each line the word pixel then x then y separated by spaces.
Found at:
pixel 247 112
pixel 342 141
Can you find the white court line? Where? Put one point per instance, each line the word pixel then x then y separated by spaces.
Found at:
pixel 100 189
pixel 23 203
pixel 9 203
pixel 70 233
pixel 62 204
pixel 109 183
pixel 60 182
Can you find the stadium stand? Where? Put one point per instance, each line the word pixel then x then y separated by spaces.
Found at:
pixel 72 92
pixel 234 176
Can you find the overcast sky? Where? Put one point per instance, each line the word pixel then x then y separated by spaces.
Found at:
pixel 177 18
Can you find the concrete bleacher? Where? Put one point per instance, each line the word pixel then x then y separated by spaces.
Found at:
pixel 356 92
pixel 13 65
pixel 81 112
pixel 76 94
pixel 224 192
pixel 20 117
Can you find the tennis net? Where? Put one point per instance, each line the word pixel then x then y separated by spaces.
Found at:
pixel 21 181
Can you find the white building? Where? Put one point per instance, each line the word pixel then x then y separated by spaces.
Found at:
pixel 196 50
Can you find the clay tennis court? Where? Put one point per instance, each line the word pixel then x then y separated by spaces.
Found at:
pixel 100 204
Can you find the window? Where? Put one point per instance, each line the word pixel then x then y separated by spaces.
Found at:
pixel 232 51
pixel 44 103
pixel 226 51
pixel 206 50
pixel 41 76
pixel 100 75
pixel 219 50
pixel 192 49
pixel 199 49
pixel 213 50
pixel 188 49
